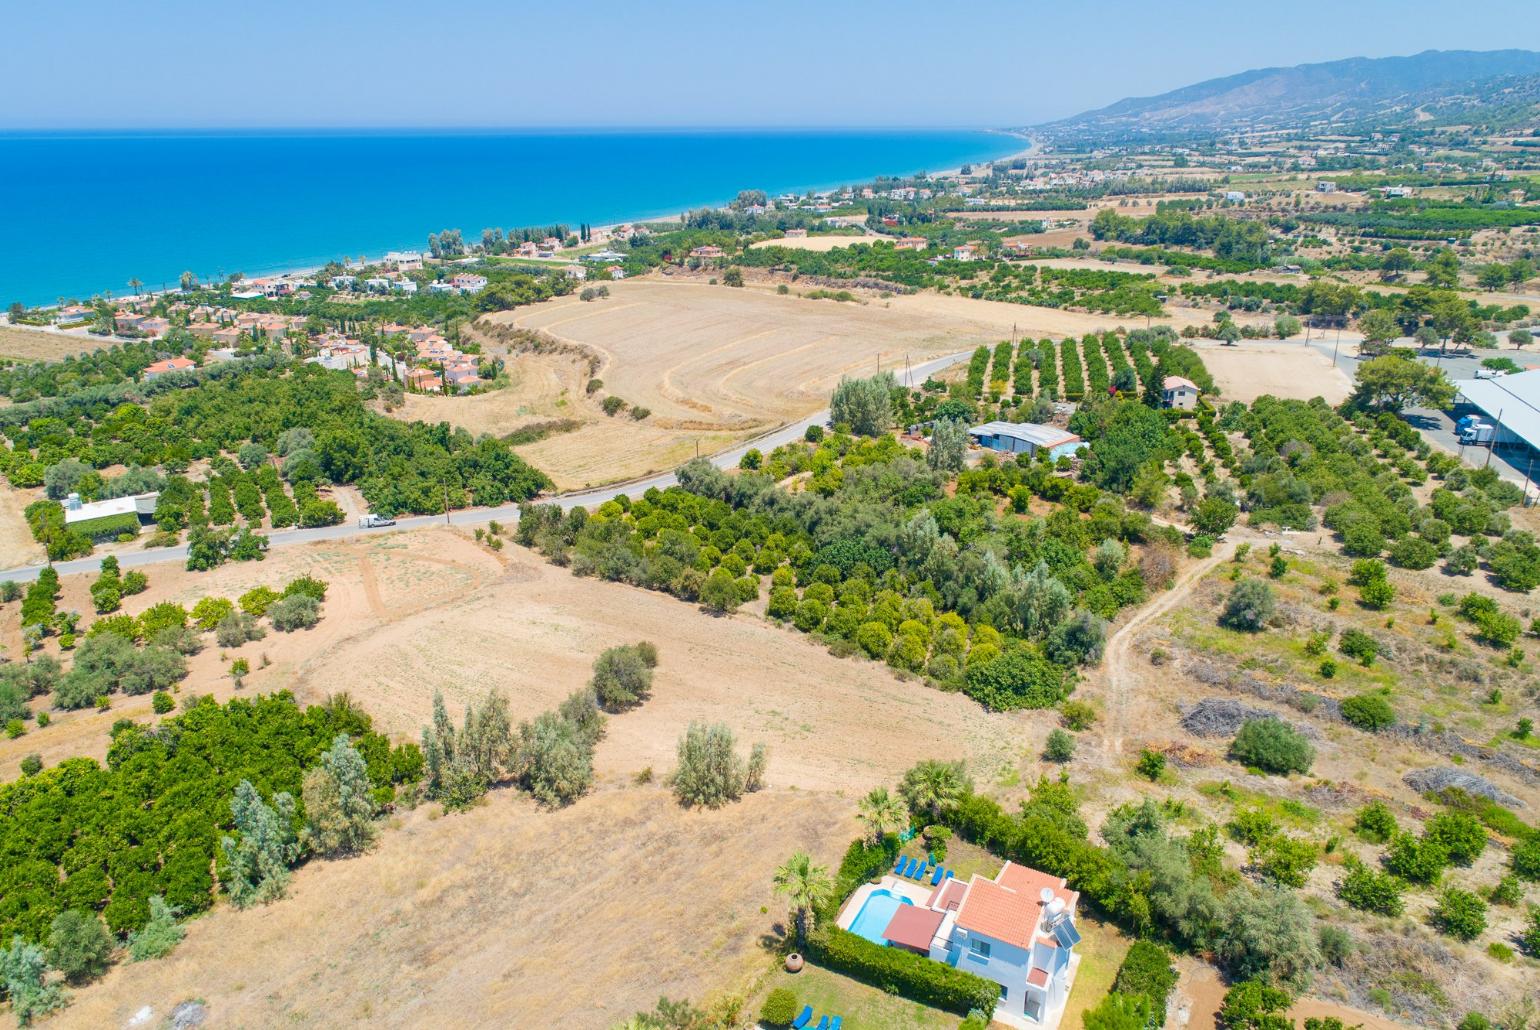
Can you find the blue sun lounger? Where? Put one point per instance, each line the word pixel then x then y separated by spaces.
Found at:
pixel 836 1023
pixel 803 1018
pixel 909 867
pixel 898 863
pixel 924 868
pixel 936 877
pixel 823 1023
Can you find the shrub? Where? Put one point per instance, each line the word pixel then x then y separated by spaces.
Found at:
pixel 1250 604
pixel 32 765
pixel 1460 914
pixel 780 1008
pixel 297 611
pixel 902 972
pixel 1272 745
pixel 1460 834
pixel 710 771
pixel 1018 678
pixel 1368 712
pixel 159 935
pixel 162 702
pixel 237 628
pixel 209 612
pixel 1375 823
pixel 1151 765
pixel 1077 715
pixel 1525 859
pixel 1060 747
pixel 1370 890
pixel 308 586
pixel 1147 971
pixel 1377 595
pixel 1357 644
pixel 258 600
pixel 623 676
pixel 1418 861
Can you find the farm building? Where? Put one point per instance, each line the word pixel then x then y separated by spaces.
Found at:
pixel 1178 392
pixel 1025 438
pixel 1511 404
pixel 109 519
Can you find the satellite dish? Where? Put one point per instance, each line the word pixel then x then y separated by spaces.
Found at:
pixel 1046 894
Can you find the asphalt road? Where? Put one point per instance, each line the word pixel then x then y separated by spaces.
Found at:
pixel 508 513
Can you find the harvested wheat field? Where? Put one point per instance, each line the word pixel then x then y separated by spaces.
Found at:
pixel 16 544
pixel 817 244
pixel 1291 370
pixel 651 898
pixel 22 344
pixel 711 365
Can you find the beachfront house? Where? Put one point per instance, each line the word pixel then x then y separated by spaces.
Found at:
pixel 468 283
pixel 342 282
pixel 404 260
pixel 1017 929
pixel 1178 392
pixel 377 284
pixel 1025 438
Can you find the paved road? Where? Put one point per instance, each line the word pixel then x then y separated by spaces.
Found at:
pixel 505 513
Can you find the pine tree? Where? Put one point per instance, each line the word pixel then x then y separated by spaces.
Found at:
pixel 339 808
pixel 258 860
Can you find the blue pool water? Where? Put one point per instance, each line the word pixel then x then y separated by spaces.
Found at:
pixel 875 913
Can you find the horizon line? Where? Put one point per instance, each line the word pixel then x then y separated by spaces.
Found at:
pixel 448 129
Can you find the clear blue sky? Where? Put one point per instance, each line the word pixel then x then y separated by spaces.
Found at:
pixel 106 63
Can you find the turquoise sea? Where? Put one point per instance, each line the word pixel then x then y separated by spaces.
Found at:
pixel 87 212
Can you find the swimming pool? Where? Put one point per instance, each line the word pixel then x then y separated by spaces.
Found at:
pixel 876 911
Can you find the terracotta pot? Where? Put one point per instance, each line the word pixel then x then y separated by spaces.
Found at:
pixel 794 963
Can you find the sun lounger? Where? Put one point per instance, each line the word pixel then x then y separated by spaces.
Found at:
pixel 910 867
pixel 823 1022
pixel 836 1022
pixel 903 865
pixel 936 877
pixel 898 863
pixel 803 1018
pixel 948 875
pixel 921 874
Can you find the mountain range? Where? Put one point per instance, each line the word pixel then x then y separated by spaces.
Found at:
pixel 1433 87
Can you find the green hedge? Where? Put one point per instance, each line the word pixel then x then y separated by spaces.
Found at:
pixel 109 527
pixel 901 972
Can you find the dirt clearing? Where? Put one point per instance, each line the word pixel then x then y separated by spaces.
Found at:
pixel 22 344
pixel 1289 370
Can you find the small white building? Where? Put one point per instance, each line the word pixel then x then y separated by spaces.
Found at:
pixel 1325 186
pixel 378 284
pixel 142 505
pixel 405 286
pixel 1178 392
pixel 1234 197
pixel 342 282
pixel 1025 438
pixel 404 260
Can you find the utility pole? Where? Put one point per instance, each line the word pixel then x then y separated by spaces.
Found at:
pixel 1492 443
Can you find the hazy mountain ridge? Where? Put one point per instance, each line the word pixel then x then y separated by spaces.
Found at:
pixel 1386 91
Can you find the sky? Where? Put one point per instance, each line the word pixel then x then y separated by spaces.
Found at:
pixel 674 63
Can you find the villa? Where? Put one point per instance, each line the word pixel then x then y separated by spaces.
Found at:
pixel 1017 929
pixel 160 368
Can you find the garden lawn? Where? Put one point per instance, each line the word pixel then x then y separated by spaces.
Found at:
pixel 864 1008
pixel 1101 951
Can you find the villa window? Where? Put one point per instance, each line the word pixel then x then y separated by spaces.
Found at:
pixel 1004 992
pixel 979 948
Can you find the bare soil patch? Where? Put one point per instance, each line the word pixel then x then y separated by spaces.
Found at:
pixel 1290 370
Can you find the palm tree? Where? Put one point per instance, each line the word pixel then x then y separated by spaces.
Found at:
pixel 134 284
pixel 882 813
pixel 932 787
pixel 806 886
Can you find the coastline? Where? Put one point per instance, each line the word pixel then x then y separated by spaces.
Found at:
pixel 291 269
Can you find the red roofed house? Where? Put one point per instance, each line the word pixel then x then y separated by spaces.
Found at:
pixel 1017 929
pixel 160 368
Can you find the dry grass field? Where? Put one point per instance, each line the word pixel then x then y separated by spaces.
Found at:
pixel 816 244
pixel 714 365
pixel 19 343
pixel 510 914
